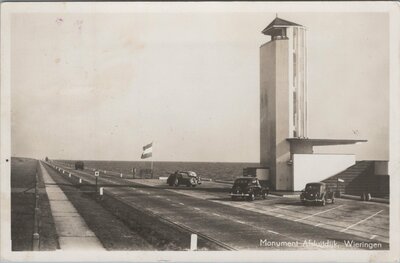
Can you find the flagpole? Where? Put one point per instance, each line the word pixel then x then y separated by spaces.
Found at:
pixel 151 167
pixel 152 174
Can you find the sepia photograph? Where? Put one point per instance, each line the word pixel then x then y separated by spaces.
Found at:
pixel 208 131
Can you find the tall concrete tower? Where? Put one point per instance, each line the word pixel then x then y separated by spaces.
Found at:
pixel 285 149
pixel 283 66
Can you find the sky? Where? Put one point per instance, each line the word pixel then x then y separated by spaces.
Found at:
pixel 100 86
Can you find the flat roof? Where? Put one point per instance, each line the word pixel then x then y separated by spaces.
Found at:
pixel 321 142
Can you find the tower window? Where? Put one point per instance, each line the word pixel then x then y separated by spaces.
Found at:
pixel 294 69
pixel 279 33
pixel 294 108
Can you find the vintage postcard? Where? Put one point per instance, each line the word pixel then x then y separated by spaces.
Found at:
pixel 200 132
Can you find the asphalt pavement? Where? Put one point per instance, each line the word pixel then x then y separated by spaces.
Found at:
pixel 274 223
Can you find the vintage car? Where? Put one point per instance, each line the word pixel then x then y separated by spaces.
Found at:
pixel 194 175
pixel 187 178
pixel 316 193
pixel 248 188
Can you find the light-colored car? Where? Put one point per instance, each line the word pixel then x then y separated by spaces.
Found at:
pixel 188 178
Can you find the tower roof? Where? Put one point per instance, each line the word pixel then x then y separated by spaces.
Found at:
pixel 278 22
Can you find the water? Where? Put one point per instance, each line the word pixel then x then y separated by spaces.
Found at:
pixel 215 171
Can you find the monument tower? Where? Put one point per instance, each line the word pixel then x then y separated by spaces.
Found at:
pixel 285 148
pixel 283 95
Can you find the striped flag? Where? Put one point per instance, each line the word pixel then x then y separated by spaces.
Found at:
pixel 147 151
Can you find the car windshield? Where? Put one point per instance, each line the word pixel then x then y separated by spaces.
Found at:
pixel 184 175
pixel 313 187
pixel 242 181
pixel 190 173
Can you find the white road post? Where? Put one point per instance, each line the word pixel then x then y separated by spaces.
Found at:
pixel 193 242
pixel 101 191
pixel 69 175
pixel 96 174
pixel 121 175
pixel 80 180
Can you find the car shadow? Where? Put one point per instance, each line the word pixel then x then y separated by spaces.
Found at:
pixel 223 199
pixel 228 199
pixel 293 203
pixel 204 189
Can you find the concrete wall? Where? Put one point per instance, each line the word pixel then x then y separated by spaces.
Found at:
pixel 283 117
pixel 381 168
pixel 275 118
pixel 267 106
pixel 317 167
pixel 262 174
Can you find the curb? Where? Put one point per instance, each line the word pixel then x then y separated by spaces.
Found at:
pixel 284 195
pixel 373 199
pixel 222 182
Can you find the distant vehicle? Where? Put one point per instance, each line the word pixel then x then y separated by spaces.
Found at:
pixel 249 188
pixel 79 165
pixel 317 193
pixel 187 178
pixel 194 175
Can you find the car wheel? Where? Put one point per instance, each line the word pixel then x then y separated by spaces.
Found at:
pixel 192 181
pixel 251 197
pixel 264 195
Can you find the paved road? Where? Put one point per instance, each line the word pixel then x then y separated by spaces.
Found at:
pixel 365 219
pixel 244 225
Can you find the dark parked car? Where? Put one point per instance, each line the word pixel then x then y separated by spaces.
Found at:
pixel 317 193
pixel 187 178
pixel 249 188
pixel 79 165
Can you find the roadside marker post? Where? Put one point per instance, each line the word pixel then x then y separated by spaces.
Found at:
pixel 121 175
pixel 69 175
pixel 97 176
pixel 193 242
pixel 35 243
pixel 80 180
pixel 101 191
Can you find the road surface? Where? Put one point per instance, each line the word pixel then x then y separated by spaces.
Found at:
pixel 274 223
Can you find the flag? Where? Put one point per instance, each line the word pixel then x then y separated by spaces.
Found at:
pixel 147 151
pixel 340 180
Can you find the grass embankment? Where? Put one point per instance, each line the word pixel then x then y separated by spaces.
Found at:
pixel 23 172
pixel 112 232
pixel 23 177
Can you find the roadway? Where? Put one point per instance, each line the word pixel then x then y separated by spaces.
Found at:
pixel 274 223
